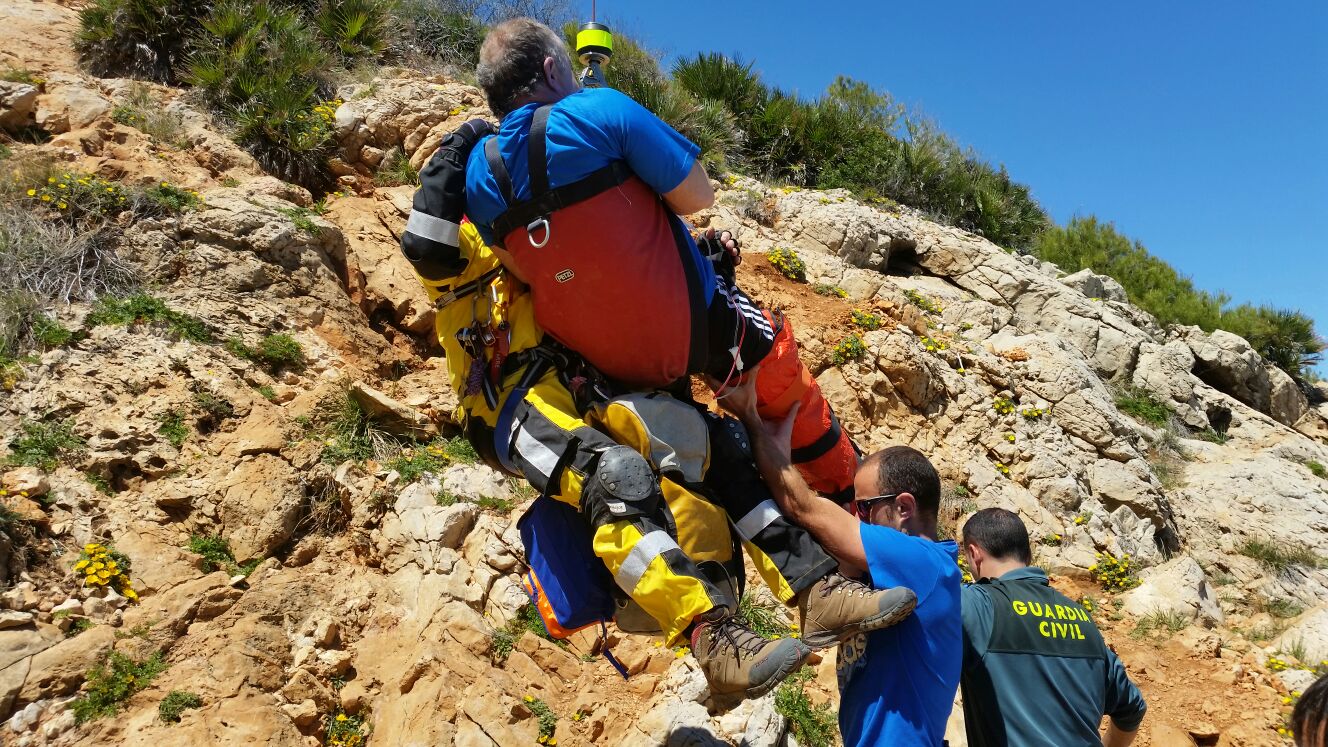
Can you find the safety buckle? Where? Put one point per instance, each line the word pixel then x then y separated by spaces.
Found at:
pixel 534 226
pixel 445 300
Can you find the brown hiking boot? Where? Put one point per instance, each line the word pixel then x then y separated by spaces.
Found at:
pixel 837 607
pixel 738 662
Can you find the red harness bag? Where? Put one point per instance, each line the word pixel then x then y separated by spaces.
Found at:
pixel 609 268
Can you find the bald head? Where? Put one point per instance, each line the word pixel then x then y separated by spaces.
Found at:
pixel 513 69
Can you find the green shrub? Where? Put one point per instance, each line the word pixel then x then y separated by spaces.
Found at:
pixel 215 551
pixel 41 444
pixel 865 320
pixel 1212 436
pixel 1317 469
pixel 396 170
pixel 814 726
pixel 1142 405
pixel 142 111
pixel 1285 338
pixel 302 217
pixel 5 151
pixel 213 409
pixel 354 29
pixel 275 352
pixel 1114 574
pixel 1278 556
pixel 344 730
pixel 851 349
pixel 504 639
pixel 175 703
pixel 442 30
pixel 137 38
pixel 48 333
pixel 260 66
pixel 112 682
pixel 173 427
pixel 141 308
pixel 20 75
pixel 789 264
pixel 1159 621
pixel 764 621
pixel 827 289
pixel 921 301
pixel 168 199
pixel 268 393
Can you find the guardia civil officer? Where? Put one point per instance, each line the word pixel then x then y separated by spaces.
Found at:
pixel 1036 670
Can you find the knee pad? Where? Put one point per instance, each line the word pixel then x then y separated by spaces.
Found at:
pixel 623 487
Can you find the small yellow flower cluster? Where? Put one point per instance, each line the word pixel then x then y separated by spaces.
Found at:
pixel 1010 437
pixel 1032 413
pixel 78 193
pixel 1053 540
pixel 1082 519
pixel 964 574
pixel 327 110
pixel 11 373
pixel 1275 664
pixel 455 111
pixel 1001 468
pixel 102 566
pixel 1002 406
pixel 1087 604
pixel 922 302
pixel 931 346
pixel 345 731
pixel 865 320
pixel 1113 573
pixel 789 264
pixel 851 349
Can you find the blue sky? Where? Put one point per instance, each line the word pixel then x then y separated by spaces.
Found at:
pixel 1200 129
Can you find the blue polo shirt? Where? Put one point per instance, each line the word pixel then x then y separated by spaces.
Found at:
pixel 897 685
pixel 586 131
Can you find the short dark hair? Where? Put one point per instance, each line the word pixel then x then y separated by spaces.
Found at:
pixel 1000 533
pixel 904 469
pixel 1309 720
pixel 512 61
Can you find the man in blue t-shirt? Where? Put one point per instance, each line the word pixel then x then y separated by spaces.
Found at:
pixel 896 685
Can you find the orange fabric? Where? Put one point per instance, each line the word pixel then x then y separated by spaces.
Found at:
pixel 545 609
pixel 609 284
pixel 780 384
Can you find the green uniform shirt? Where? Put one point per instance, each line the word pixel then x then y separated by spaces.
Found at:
pixel 1036 671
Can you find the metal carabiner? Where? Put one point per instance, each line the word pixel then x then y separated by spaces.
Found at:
pixel 534 226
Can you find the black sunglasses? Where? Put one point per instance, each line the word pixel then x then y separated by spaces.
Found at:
pixel 862 507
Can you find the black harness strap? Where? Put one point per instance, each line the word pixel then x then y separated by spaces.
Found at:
pixel 538 162
pixel 461 291
pixel 820 446
pixel 523 214
pixel 499 169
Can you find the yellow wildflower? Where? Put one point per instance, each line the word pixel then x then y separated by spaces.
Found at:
pixel 45 198
pixel 62 205
pixel 50 180
pixel 32 193
pixel 529 698
pixel 340 716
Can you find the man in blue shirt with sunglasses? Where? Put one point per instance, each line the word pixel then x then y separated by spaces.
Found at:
pixel 897 685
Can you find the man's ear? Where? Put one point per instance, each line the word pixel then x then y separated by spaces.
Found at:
pixel 550 71
pixel 906 505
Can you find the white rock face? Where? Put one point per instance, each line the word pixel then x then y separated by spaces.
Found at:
pixel 1310 630
pixel 1177 586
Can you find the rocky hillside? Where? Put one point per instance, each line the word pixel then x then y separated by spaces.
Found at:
pixel 268 452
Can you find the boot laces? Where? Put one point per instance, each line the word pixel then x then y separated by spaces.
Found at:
pixel 838 582
pixel 737 635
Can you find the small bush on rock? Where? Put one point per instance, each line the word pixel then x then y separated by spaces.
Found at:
pixel 1142 405
pixel 104 566
pixel 112 682
pixel 789 264
pixel 261 67
pixel 176 703
pixel 1317 469
pixel 1112 573
pixel 445 31
pixel 396 171
pixel 137 38
pixel 141 308
pixel 1278 555
pixel 142 111
pixel 865 320
pixel 851 349
pixel 42 444
pixel 354 29
pixel 275 352
pixel 167 199
pixel 814 726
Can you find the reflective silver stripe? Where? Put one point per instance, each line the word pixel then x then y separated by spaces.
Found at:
pixel 647 549
pixel 757 519
pixel 434 229
pixel 540 456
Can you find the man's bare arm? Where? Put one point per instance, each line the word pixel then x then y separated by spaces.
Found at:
pixel 1117 738
pixel 695 192
pixel 837 530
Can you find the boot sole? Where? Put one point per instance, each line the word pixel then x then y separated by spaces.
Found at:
pixel 827 638
pixel 730 700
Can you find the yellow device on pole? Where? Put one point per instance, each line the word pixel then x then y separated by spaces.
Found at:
pixel 594 45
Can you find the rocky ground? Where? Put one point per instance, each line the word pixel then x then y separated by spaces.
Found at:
pixel 354 597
